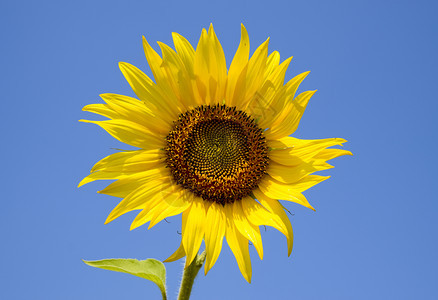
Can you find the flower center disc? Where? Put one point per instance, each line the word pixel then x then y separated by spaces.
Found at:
pixel 217 152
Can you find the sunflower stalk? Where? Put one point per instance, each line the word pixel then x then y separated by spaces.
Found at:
pixel 189 276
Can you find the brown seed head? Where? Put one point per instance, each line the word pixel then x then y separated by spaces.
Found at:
pixel 217 152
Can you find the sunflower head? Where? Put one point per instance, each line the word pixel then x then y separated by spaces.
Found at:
pixel 217 152
pixel 213 144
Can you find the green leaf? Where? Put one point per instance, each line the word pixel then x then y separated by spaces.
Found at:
pixel 150 269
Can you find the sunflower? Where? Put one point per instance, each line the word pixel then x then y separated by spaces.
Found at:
pixel 213 145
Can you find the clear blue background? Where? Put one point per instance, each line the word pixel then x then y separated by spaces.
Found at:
pixel 374 63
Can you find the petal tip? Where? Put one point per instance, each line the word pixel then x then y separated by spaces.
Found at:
pixel 243 33
pixel 175 35
pixel 145 41
pixel 109 219
pixel 83 182
pixel 133 226
pixel 122 65
pixel 288 60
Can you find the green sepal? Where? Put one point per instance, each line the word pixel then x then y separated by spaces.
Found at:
pixel 150 269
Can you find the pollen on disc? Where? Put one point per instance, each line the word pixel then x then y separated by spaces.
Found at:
pixel 217 152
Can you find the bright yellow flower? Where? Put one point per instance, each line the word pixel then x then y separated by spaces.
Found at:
pixel 214 145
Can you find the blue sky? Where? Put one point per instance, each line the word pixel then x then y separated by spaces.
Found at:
pixel 373 235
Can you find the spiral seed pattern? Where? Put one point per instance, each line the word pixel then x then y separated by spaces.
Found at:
pixel 217 152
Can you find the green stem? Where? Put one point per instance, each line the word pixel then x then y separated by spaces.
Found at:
pixel 189 276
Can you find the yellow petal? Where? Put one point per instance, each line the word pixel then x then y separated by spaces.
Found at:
pixel 173 201
pixel 214 234
pixel 307 182
pixel 210 68
pixel 187 55
pixel 246 228
pixel 102 175
pixel 185 51
pixel 155 98
pixel 218 60
pixel 280 221
pixel 138 198
pixel 178 254
pixel 130 161
pixel 290 123
pixel 262 104
pixel 135 110
pixel 238 67
pixel 296 150
pixel 102 109
pixel 272 63
pixel 288 174
pixel 155 63
pixel 238 244
pixel 179 78
pixel 131 133
pixel 144 215
pixel 124 186
pixel 282 103
pixel 164 82
pixel 275 78
pixel 172 205
pixel 255 74
pixel 328 154
pixel 276 190
pixel 193 234
pixel 256 213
